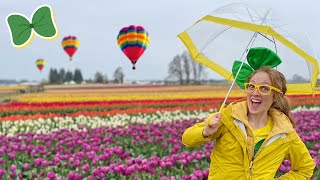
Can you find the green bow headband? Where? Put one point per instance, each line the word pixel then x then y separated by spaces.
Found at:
pixel 257 58
pixel 42 24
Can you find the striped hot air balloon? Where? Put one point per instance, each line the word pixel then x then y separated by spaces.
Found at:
pixel 133 41
pixel 70 45
pixel 40 64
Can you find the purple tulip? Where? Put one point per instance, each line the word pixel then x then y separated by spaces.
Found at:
pixel 138 160
pixel 3 161
pixel 288 168
pixel 78 176
pixel 85 168
pixel 282 168
pixel 20 176
pixel 51 175
pixel 184 162
pixel 13 168
pixel 125 155
pixel 94 163
pixel 2 172
pixel 71 176
pixel 185 177
pixel 162 164
pixel 26 166
pixel 169 164
pixel 206 173
pixel 42 173
pixel 172 151
pixel 129 170
pixel 189 158
pixel 153 163
pixel 164 178
pixel 193 177
pixel 198 173
pixel 12 155
pixel 12 175
pixel 129 162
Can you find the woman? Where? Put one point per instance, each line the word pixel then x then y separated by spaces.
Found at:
pixel 253 136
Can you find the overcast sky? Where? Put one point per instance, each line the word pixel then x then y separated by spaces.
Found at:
pixel 97 23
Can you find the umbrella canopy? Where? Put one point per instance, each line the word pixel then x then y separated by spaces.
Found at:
pixel 227 34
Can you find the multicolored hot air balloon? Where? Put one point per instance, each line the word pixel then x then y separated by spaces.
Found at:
pixel 70 45
pixel 133 41
pixel 40 64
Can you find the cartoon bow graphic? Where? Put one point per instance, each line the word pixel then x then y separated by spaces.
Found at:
pixel 22 30
pixel 257 58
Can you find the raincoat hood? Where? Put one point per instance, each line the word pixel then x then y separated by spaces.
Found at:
pixel 281 123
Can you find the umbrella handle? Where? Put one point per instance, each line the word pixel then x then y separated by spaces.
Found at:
pixel 220 110
pixel 222 107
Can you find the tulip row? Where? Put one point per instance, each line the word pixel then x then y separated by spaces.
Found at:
pixel 129 93
pixel 146 146
pixel 105 113
pixel 15 111
pixel 71 107
pixel 57 123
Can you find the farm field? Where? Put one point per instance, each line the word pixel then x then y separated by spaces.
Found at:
pixel 122 132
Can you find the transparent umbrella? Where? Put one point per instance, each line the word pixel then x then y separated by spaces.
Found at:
pixel 227 34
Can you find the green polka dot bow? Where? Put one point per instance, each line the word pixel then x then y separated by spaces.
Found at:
pixel 257 58
pixel 22 29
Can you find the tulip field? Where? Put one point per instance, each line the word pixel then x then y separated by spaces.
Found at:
pixel 122 132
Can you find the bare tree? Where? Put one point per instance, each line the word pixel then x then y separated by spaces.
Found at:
pixel 198 70
pixel 182 68
pixel 175 69
pixel 296 78
pixel 186 59
pixel 105 78
pixel 118 75
pixel 98 77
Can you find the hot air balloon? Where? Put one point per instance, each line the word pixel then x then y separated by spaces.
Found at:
pixel 40 64
pixel 70 45
pixel 133 40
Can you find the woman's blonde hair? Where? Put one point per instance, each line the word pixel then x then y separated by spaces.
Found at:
pixel 279 81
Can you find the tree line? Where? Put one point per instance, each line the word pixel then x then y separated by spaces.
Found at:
pixel 66 76
pixel 181 70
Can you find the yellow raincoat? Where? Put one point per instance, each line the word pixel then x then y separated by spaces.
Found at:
pixel 233 154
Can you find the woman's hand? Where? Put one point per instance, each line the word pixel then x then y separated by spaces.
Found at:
pixel 213 127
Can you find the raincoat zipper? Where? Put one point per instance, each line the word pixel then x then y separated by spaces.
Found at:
pixel 250 167
pixel 252 159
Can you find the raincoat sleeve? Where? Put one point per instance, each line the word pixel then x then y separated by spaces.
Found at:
pixel 192 137
pixel 302 164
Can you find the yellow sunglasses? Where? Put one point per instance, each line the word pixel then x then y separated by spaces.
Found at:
pixel 262 89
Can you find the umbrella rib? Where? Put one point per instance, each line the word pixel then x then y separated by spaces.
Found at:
pixel 250 15
pixel 266 37
pixel 211 41
pixel 250 42
pixel 275 45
